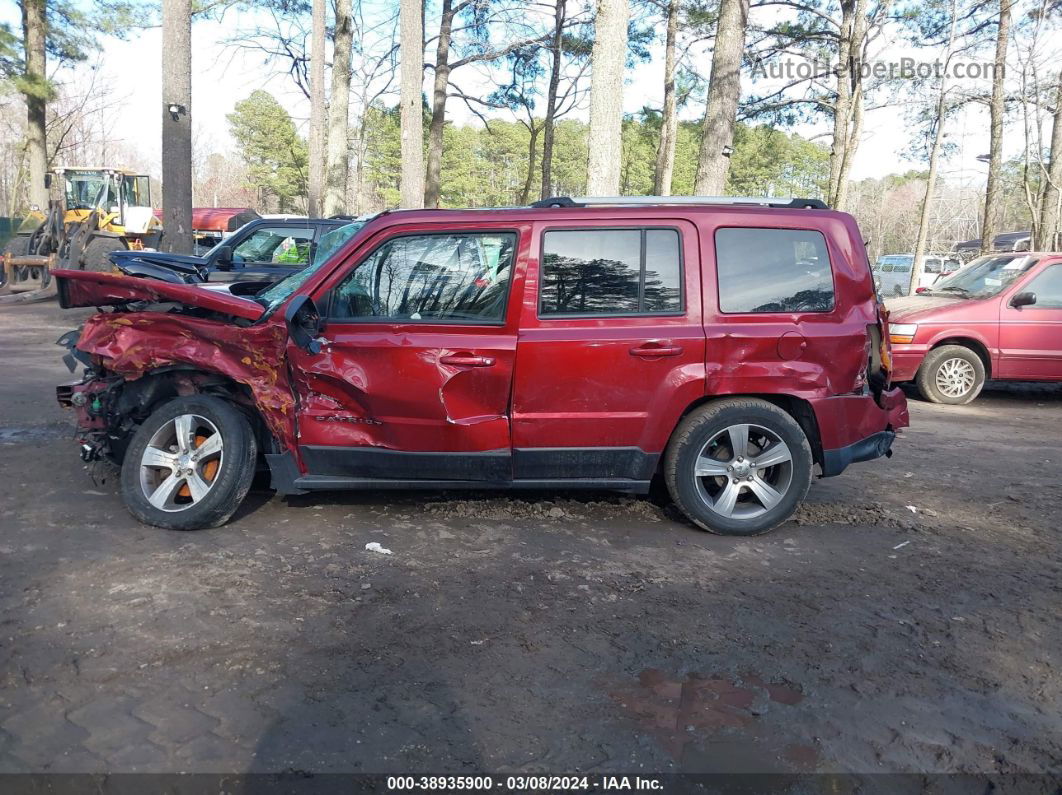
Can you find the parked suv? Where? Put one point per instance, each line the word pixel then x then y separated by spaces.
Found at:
pixel 727 346
pixel 999 317
pixel 263 250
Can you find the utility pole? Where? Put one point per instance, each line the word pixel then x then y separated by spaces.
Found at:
pixel 177 126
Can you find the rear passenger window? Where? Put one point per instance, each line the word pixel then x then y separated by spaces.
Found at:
pixel 611 272
pixel 773 270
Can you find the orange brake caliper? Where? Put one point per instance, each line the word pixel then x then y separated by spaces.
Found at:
pixel 210 469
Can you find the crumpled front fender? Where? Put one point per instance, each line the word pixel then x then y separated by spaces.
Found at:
pixel 133 344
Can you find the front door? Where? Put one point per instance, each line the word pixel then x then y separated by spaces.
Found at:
pixel 610 345
pixel 269 253
pixel 413 378
pixel 1030 337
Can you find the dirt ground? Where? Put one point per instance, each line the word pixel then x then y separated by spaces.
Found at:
pixel 545 632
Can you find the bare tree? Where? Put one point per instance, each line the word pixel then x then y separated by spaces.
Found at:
pixel 818 31
pixel 665 151
pixel 990 219
pixel 34 28
pixel 478 51
pixel 177 125
pixel 338 110
pixel 317 170
pixel 411 57
pixel 562 45
pixel 375 72
pixel 556 48
pixel 1051 197
pixel 606 98
pixel 317 110
pixel 937 122
pixel 724 91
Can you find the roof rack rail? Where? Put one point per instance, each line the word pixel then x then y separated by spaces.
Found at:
pixel 760 201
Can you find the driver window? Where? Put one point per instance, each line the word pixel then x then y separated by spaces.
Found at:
pixel 436 278
pixel 275 246
pixel 1048 289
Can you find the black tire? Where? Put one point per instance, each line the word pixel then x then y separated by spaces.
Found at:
pixel 701 427
pixel 97 253
pixel 951 364
pixel 229 483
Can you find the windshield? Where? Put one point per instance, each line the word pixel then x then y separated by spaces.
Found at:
pixel 326 247
pixel 986 276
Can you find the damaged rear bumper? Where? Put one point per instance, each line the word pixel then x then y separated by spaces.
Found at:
pixel 855 428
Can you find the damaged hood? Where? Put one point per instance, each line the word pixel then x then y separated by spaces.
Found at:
pixel 88 288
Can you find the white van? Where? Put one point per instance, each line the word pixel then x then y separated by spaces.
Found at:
pixel 892 272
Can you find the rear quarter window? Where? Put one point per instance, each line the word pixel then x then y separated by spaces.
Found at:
pixel 773 270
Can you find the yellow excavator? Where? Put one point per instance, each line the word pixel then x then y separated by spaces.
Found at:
pixel 91 212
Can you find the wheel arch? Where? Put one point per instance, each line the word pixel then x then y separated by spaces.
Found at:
pixel 798 408
pixel 143 395
pixel 974 344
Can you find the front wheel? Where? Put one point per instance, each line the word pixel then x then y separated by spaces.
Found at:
pixel 97 254
pixel 189 465
pixel 738 467
pixel 951 374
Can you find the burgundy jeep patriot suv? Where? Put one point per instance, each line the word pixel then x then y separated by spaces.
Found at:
pixel 729 346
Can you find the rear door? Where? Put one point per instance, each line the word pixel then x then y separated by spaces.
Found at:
pixel 1030 337
pixel 413 379
pixel 610 351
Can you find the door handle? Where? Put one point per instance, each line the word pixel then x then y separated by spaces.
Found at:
pixel 650 350
pixel 466 360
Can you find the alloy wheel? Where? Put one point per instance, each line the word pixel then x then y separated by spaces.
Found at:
pixel 743 471
pixel 180 464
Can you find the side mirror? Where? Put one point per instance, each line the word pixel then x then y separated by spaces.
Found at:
pixel 304 323
pixel 224 257
pixel 1023 299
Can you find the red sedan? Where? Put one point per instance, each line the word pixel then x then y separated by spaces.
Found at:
pixel 999 317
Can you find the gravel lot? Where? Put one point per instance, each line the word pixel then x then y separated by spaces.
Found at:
pixel 545 632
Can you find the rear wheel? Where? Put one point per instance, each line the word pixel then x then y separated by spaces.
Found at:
pixel 951 374
pixel 738 466
pixel 189 465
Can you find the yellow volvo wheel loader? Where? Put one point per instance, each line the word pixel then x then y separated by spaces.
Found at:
pixel 91 212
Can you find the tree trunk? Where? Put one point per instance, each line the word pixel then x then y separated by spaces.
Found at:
pixel 927 203
pixel 411 69
pixel 556 48
pixel 359 164
pixel 934 156
pixel 665 150
pixel 1050 209
pixel 315 182
pixel 848 150
pixel 34 25
pixel 724 91
pixel 990 220
pixel 848 105
pixel 338 147
pixel 606 98
pixel 532 152
pixel 177 134
pixel 438 106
